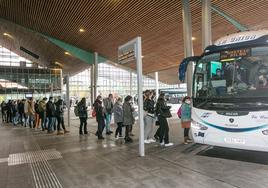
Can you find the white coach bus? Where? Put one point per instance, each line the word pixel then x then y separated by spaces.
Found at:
pixel 230 92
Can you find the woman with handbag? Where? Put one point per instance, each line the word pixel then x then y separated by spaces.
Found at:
pixel 163 112
pixel 128 119
pixel 186 118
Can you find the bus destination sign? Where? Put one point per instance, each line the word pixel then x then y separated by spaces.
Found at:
pixel 228 54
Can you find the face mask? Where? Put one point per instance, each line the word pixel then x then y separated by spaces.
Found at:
pixel 188 102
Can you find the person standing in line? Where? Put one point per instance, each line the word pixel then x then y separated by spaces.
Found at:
pixel 186 118
pixel 4 111
pixel 100 117
pixel 128 119
pixel 60 117
pixel 149 117
pixel 37 115
pixel 31 113
pixel 118 117
pixel 42 112
pixel 108 109
pixel 51 114
pixel 163 112
pixel 14 110
pixel 9 111
pixel 26 104
pixel 21 111
pixel 82 112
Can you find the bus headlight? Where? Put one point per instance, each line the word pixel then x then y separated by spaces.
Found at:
pixel 198 126
pixel 265 132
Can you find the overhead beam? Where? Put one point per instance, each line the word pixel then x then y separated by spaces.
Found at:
pixel 235 23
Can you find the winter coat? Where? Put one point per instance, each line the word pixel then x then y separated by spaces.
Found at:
pixel 21 107
pixel 148 106
pixel 82 110
pixel 128 110
pixel 118 113
pixel 161 107
pixel 50 109
pixel 59 108
pixel 185 112
pixel 30 110
pixel 42 106
pixel 108 106
pixel 100 116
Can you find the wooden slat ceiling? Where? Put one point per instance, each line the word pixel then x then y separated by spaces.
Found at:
pixel 110 23
pixel 48 53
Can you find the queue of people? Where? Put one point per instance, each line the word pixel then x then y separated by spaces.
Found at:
pixel 32 114
pixel 50 115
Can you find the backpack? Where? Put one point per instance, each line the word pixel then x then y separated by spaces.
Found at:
pixel 179 112
pixel 76 110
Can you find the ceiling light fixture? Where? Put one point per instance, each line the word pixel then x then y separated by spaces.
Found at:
pixel 81 30
pixel 193 38
pixel 8 35
pixel 67 53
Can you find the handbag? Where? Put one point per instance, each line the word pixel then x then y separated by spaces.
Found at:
pixel 166 113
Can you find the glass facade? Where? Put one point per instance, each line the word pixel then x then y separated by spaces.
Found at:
pixel 111 79
pixel 20 77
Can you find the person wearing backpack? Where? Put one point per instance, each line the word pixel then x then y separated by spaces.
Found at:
pixel 42 112
pixel 108 109
pixel 100 117
pixel 60 117
pixel 82 113
pixel 186 118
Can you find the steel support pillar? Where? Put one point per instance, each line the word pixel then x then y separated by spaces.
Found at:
pixel 92 85
pixel 188 46
pixel 95 75
pixel 68 100
pixel 206 23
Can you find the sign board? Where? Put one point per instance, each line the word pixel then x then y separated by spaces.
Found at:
pixel 245 52
pixel 127 52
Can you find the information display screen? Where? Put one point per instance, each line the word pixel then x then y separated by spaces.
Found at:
pixel 228 54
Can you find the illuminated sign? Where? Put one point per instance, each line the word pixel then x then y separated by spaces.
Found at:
pixel 235 53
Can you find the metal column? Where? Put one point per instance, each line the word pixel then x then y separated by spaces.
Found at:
pixel 140 95
pixel 92 85
pixel 68 100
pixel 130 84
pixel 156 85
pixel 188 46
pixel 95 75
pixel 206 23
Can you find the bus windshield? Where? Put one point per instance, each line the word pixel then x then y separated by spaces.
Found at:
pixel 232 76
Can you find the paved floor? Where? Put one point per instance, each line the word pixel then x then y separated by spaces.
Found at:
pixel 31 158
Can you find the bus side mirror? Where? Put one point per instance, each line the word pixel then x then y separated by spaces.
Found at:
pixel 183 66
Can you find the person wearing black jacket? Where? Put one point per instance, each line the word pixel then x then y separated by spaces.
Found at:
pixel 100 116
pixel 21 111
pixel 59 115
pixel 163 112
pixel 149 117
pixel 51 114
pixel 9 111
pixel 82 112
